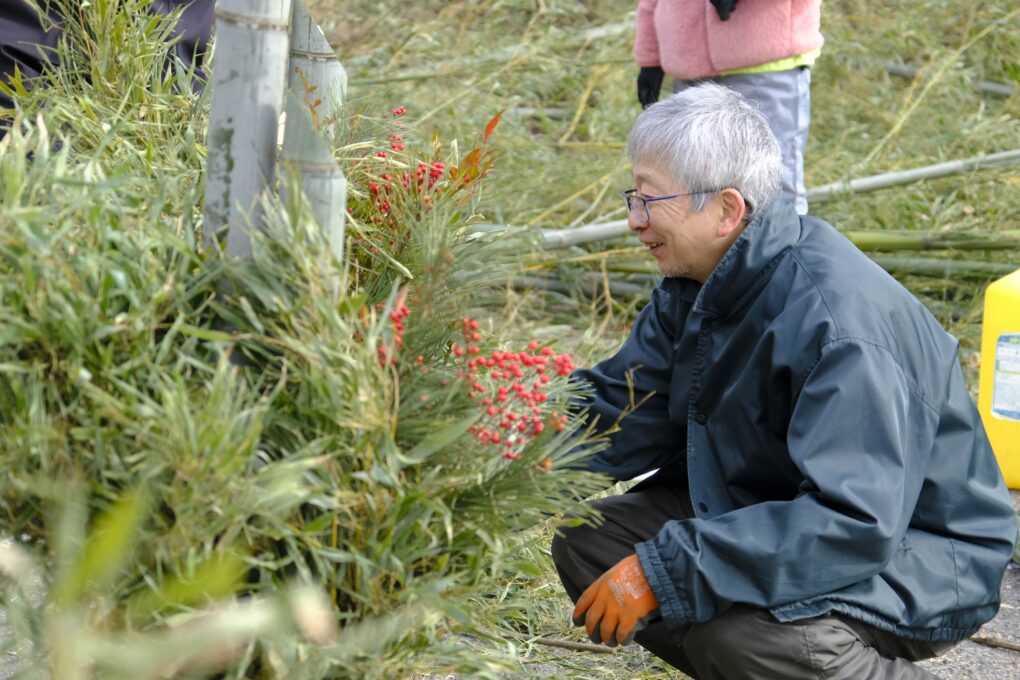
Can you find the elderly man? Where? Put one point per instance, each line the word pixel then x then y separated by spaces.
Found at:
pixel 826 502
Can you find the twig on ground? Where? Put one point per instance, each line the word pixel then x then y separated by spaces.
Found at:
pixel 576 646
pixel 992 641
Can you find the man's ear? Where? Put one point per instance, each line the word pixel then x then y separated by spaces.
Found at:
pixel 733 210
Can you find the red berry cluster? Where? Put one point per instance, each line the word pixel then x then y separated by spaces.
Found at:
pixel 513 414
pixel 387 354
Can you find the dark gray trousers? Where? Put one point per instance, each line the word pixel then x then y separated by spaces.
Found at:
pixel 742 643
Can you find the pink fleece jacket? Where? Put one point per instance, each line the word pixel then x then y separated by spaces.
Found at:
pixel 688 40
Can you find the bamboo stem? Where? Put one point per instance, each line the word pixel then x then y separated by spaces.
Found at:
pixel 865 240
pixel 927 266
pixel 1000 89
pixel 318 84
pixel 828 192
pixel 248 79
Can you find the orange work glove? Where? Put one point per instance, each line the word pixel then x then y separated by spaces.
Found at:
pixel 618 605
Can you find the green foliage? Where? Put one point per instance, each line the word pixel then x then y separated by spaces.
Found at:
pixel 229 428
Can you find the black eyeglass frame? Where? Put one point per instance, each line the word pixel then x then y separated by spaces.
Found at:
pixel 630 196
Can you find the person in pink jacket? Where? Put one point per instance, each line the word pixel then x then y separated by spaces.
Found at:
pixel 760 48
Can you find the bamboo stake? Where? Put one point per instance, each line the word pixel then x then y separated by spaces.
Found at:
pixel 315 74
pixel 247 98
pixel 318 84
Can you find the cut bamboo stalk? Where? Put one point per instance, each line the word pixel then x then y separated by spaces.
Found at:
pixel 318 85
pixel 315 73
pixel 248 79
pixel 591 281
pixel 926 240
pixel 985 86
pixel 322 181
pixel 928 266
pixel 828 192
pixel 553 239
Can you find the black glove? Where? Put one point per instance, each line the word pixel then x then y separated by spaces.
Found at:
pixel 649 83
pixel 724 8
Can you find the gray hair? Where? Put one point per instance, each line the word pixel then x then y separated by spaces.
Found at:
pixel 711 138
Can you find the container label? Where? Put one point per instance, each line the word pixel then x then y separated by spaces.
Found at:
pixel 1006 386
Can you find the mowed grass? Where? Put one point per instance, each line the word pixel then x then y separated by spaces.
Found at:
pixel 562 72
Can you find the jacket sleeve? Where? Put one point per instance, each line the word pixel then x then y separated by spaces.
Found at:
pixel 646 42
pixel 639 373
pixel 861 438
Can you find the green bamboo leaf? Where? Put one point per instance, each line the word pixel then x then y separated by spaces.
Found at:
pixel 441 439
pixel 207 333
pixel 106 549
pixel 215 578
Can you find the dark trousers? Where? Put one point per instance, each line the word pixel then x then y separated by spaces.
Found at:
pixel 743 642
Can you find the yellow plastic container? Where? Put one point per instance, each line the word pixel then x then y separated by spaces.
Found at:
pixel 999 390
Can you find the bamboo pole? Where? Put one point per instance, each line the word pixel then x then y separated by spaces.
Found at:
pixel 564 238
pixel 828 192
pixel 985 86
pixel 927 240
pixel 927 266
pixel 315 73
pixel 318 85
pixel 553 239
pixel 248 79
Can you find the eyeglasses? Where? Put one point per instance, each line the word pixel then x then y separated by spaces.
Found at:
pixel 632 199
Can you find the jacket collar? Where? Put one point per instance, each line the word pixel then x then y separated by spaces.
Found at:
pixel 749 261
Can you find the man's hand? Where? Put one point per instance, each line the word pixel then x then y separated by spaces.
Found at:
pixel 724 8
pixel 617 605
pixel 649 83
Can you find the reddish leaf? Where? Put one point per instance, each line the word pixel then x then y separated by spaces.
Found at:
pixel 492 125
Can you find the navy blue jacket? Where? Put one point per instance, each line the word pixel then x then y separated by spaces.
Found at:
pixel 819 416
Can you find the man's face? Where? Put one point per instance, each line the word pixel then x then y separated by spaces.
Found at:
pixel 684 243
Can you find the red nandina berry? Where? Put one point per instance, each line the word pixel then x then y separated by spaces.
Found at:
pixel 533 345
pixel 399 111
pixel 381 154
